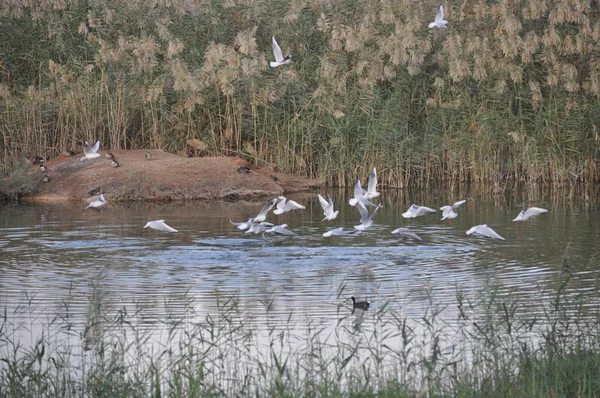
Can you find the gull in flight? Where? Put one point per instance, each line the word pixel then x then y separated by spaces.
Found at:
pixel 339 231
pixel 97 201
pixel 280 229
pixel 360 196
pixel 279 60
pixel 439 21
pixel 372 185
pixel 261 216
pixel 327 206
pixel 257 228
pixel 405 233
pixel 485 231
pixel 448 211
pixel 90 152
pixel 417 211
pixel 159 225
pixel 531 212
pixel 242 225
pixel 366 219
pixel 285 205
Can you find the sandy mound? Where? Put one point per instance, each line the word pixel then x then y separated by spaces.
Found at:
pixel 163 177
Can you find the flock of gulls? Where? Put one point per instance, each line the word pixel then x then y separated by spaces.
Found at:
pixel 362 201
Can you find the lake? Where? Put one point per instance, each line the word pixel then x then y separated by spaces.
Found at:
pixel 62 259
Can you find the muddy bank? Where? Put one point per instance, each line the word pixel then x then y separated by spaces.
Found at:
pixel 163 177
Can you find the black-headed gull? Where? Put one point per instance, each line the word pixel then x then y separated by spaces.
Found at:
pixel 417 211
pixel 327 206
pixel 97 201
pixel 366 219
pixel 439 21
pixel 279 59
pixel 90 152
pixel 257 228
pixel 448 211
pixel 531 212
pixel 284 205
pixel 360 196
pixel 485 231
pixel 405 233
pixel 159 225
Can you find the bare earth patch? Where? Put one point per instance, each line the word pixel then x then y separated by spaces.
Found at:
pixel 164 177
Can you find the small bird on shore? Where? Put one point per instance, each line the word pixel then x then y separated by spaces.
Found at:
pixel 279 59
pixel 68 153
pixel 159 225
pixel 43 168
pixel 46 178
pixel 361 305
pixel 531 212
pixel 114 163
pixel 97 202
pixel 484 231
pixel 109 155
pixel 148 155
pixel 439 21
pixel 243 170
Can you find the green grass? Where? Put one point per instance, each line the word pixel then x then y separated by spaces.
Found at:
pixel 495 347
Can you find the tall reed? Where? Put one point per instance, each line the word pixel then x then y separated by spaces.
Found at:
pixel 508 91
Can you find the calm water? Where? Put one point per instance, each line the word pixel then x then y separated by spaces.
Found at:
pixel 53 255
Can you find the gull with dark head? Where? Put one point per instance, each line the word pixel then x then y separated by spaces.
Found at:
pixel 484 231
pixel 531 212
pixel 90 152
pixel 417 211
pixel 366 219
pixel 279 59
pixel 284 205
pixel 159 225
pixel 439 21
pixel 327 206
pixel 448 211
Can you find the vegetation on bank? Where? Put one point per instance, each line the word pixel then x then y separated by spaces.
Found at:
pixel 509 91
pixel 495 347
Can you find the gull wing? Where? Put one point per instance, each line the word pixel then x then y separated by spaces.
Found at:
pixel 96 147
pixel 458 204
pixel 262 214
pixel 405 233
pixel 372 186
pixel 277 51
pixel 364 213
pixel 439 16
pixel 281 203
pixel 293 205
pixel 327 206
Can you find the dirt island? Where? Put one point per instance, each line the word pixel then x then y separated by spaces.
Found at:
pixel 162 176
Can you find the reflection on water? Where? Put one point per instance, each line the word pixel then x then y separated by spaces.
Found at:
pixel 55 253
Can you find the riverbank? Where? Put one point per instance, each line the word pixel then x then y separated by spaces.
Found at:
pixel 162 177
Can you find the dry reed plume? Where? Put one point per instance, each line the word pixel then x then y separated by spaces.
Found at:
pixel 509 91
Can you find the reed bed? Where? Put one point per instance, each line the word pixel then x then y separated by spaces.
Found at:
pixel 496 347
pixel 508 92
